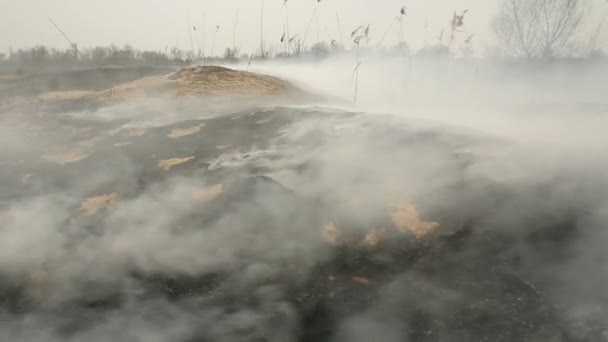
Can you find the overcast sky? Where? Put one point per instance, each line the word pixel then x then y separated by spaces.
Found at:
pixel 156 24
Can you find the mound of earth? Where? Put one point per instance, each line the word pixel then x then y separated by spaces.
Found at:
pixel 205 81
pixel 201 82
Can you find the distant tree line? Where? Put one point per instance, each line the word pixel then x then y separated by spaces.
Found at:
pixel 45 57
pixel 42 56
pixel 526 29
pixel 110 55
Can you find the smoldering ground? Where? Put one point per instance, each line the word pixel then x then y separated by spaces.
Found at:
pixel 435 217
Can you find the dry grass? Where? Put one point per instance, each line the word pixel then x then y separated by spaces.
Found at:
pixel 67 157
pixel 406 219
pixel 94 204
pixel 403 214
pixel 129 131
pixel 222 81
pixel 202 81
pixel 372 239
pixel 134 132
pixel 140 89
pixel 182 132
pixel 70 95
pixel 168 164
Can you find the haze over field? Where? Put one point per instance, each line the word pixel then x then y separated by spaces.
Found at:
pixel 334 193
pixel 156 24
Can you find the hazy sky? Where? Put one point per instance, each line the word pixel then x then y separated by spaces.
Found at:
pixel 156 24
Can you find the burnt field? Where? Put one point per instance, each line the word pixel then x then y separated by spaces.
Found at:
pixel 193 220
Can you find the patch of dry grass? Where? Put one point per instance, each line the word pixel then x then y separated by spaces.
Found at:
pixel 94 204
pixel 68 95
pixel 182 132
pixel 406 219
pixel 168 164
pixel 67 157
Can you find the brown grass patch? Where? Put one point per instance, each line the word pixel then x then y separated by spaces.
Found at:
pixel 92 205
pixel 140 89
pixel 70 95
pixel 182 132
pixel 406 219
pixel 372 239
pixel 210 80
pixel 67 157
pixel 168 164
pixel 199 81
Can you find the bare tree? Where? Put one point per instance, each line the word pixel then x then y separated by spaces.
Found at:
pixel 538 28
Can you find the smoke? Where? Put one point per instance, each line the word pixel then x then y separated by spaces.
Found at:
pixel 533 175
pixel 233 245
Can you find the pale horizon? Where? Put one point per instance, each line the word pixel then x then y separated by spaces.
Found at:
pixel 159 25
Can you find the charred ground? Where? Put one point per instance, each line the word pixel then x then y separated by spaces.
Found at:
pixel 250 224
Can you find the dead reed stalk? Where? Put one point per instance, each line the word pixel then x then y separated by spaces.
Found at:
pixel 286 32
pixel 457 23
pixel 312 16
pixel 358 35
pixel 262 29
pixel 340 28
pixel 190 32
pixel 204 36
pixel 234 30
